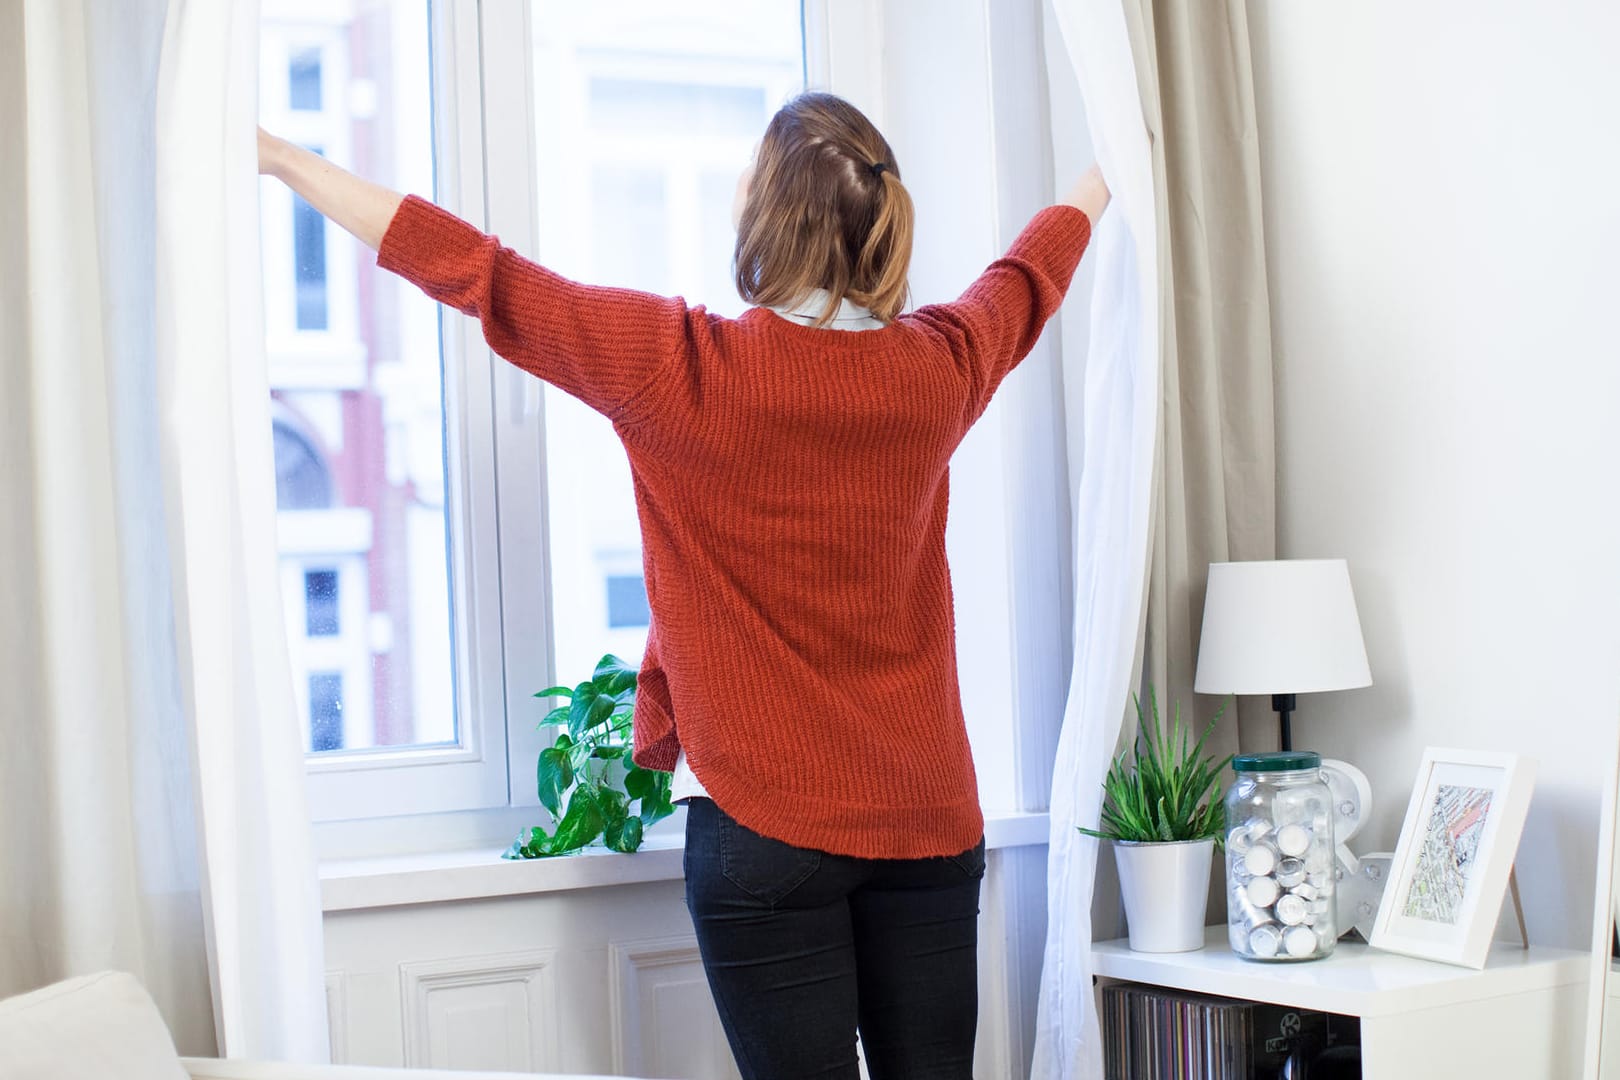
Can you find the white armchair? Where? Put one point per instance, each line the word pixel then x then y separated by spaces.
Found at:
pixel 106 1027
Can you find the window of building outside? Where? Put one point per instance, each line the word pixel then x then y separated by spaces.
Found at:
pixel 645 113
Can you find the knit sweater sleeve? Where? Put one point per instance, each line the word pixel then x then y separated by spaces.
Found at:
pixel 604 346
pixel 996 322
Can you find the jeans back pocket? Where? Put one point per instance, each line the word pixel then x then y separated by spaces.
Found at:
pixel 765 869
pixel 971 861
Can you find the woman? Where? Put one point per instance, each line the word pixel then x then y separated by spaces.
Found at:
pixel 790 471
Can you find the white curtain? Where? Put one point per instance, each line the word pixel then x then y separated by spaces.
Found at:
pixel 152 813
pixel 263 903
pixel 1113 521
pixel 98 856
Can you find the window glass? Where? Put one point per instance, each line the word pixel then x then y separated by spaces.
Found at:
pixel 304 79
pixel 309 265
pixel 627 601
pixel 357 381
pixel 645 106
pixel 326 710
pixel 659 107
pixel 302 479
pixel 321 603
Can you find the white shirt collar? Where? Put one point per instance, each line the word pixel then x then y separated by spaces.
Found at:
pixel 850 316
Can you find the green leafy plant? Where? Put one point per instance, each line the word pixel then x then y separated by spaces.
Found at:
pixel 1171 792
pixel 586 778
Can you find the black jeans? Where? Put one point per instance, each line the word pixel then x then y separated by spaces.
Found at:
pixel 802 947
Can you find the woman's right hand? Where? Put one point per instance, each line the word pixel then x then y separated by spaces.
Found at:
pixel 361 207
pixel 269 153
pixel 1090 194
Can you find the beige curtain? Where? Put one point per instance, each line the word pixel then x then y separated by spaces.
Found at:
pixel 1216 475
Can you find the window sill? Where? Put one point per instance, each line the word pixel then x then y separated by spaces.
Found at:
pixel 480 873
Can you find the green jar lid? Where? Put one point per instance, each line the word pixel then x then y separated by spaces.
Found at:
pixel 1282 761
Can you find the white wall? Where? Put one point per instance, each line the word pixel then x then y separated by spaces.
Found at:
pixel 1440 197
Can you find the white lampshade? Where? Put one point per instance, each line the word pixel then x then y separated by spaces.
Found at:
pixel 1284 627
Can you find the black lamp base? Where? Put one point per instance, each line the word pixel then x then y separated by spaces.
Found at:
pixel 1284 704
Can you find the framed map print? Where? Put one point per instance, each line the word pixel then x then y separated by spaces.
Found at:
pixel 1457 847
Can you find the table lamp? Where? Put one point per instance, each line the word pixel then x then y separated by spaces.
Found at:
pixel 1282 628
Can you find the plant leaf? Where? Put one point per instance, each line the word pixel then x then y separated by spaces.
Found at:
pixel 580 825
pixel 588 709
pixel 533 844
pixel 639 782
pixel 555 691
pixel 553 776
pixel 656 805
pixel 613 676
pixel 623 835
pixel 1171 789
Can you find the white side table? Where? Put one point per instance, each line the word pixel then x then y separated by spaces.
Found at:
pixel 1518 1019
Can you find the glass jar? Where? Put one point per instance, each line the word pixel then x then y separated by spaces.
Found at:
pixel 1280 858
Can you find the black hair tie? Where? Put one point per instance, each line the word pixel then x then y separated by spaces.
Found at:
pixel 878 167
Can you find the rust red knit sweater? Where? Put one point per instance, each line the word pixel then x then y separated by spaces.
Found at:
pixel 791 486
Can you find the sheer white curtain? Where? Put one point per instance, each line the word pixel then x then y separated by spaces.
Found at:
pixel 262 894
pixel 1113 520
pixel 152 811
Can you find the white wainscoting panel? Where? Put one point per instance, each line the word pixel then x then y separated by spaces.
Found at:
pixel 664 1019
pixel 495 1013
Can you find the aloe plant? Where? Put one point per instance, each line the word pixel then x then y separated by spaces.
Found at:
pixel 1170 792
pixel 586 779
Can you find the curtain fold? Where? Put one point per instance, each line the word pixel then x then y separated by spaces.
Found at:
pixel 1216 488
pixel 152 814
pixel 1112 519
pixel 263 901
pixel 1178 464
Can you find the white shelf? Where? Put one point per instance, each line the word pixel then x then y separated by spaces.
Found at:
pixel 1355 981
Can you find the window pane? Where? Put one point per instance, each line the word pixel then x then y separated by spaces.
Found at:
pixel 627 601
pixel 659 106
pixel 304 79
pixel 321 603
pixel 356 377
pixel 647 107
pixel 632 243
pixel 326 710
pixel 302 479
pixel 309 264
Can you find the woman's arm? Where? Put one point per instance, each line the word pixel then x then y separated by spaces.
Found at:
pixel 604 346
pixel 997 320
pixel 361 207
pixel 1090 194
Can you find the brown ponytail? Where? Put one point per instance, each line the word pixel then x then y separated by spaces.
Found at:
pixel 826 209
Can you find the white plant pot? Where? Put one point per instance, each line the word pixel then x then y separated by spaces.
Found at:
pixel 1166 892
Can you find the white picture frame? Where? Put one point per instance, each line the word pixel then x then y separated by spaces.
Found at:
pixel 1458 842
